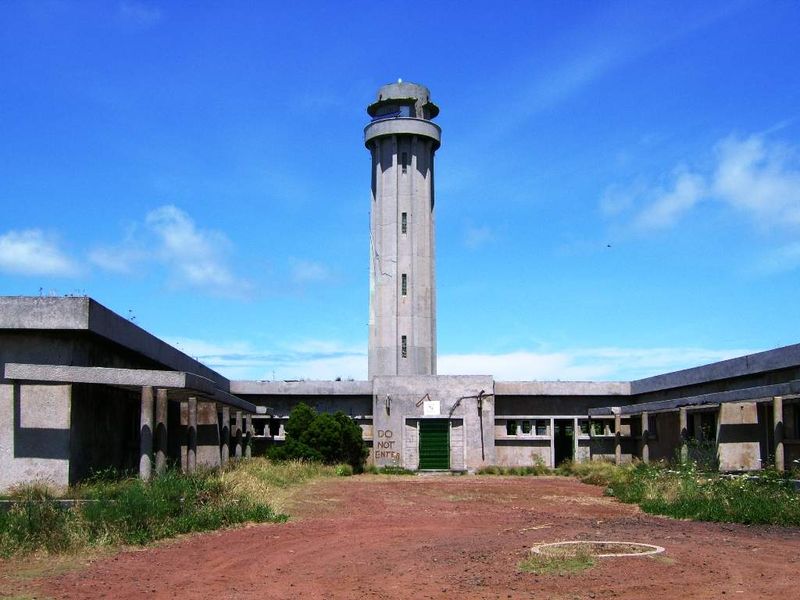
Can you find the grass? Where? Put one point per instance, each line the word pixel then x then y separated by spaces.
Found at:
pixel 684 492
pixel 559 561
pixel 388 470
pixel 127 511
pixel 518 471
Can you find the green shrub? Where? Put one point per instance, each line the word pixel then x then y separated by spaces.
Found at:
pixel 327 438
pixel 343 470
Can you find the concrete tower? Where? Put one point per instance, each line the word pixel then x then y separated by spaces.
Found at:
pixel 402 307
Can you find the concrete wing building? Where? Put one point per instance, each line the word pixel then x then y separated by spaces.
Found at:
pixel 84 389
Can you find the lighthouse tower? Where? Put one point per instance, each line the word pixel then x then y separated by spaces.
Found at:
pixel 402 310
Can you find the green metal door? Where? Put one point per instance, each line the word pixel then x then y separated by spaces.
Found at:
pixel 434 444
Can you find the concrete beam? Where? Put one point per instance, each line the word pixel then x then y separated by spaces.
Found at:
pixel 128 378
pixel 763 393
pixel 683 424
pixel 248 426
pixel 645 438
pixel 133 378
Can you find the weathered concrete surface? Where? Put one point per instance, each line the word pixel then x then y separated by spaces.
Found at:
pixel 738 437
pixel 302 388
pixel 207 453
pixel 779 358
pixel 562 388
pixel 402 321
pixel 86 314
pixel 401 402
pixel 34 433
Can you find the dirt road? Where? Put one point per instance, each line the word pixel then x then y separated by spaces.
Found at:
pixel 447 537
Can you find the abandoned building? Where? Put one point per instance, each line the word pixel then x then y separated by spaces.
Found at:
pixel 84 389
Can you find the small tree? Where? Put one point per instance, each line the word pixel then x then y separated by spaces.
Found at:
pixel 324 437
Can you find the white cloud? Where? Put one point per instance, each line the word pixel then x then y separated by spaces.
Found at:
pixel 139 13
pixel 194 257
pixel 31 252
pixel 670 205
pixel 475 237
pixel 759 178
pixel 328 359
pixel 309 271
pixel 581 364
pixel 303 359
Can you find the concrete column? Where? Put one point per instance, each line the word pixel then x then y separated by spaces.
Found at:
pixel 684 434
pixel 645 437
pixel 248 451
pixel 617 439
pixel 146 434
pixel 238 435
pixel 161 431
pixel 225 451
pixel 191 443
pixel 777 421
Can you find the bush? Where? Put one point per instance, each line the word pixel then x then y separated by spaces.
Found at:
pixel 327 438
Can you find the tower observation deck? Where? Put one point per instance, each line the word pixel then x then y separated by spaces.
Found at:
pixel 402 140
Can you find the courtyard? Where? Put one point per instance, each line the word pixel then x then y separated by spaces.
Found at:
pixel 432 536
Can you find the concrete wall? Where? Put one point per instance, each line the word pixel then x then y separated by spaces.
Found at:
pixel 738 437
pixel 34 433
pixel 410 399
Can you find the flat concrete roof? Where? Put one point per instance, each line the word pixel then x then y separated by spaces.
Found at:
pixel 769 360
pixel 761 393
pixel 302 388
pixel 86 314
pixel 562 388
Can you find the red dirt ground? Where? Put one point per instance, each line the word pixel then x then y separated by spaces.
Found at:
pixel 447 537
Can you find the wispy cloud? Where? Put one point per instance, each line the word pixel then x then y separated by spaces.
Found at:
pixel 194 257
pixel 477 236
pixel 581 364
pixel 754 176
pixel 300 359
pixel 328 359
pixel 309 271
pixel 139 13
pixel 32 252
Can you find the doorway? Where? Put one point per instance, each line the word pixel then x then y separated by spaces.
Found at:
pixel 434 444
pixel 563 440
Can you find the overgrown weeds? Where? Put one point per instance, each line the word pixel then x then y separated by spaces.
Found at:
pixel 112 511
pixel 686 492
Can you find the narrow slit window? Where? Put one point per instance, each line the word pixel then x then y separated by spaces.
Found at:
pixel 404 161
pixel 404 223
pixel 511 428
pixel 404 284
pixel 404 346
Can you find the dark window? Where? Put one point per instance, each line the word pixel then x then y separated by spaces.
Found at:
pixel 541 426
pixel 526 427
pixel 511 428
pixel 404 284
pixel 404 346
pixel 404 161
pixel 404 223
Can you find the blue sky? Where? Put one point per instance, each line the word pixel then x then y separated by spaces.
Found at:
pixel 618 187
